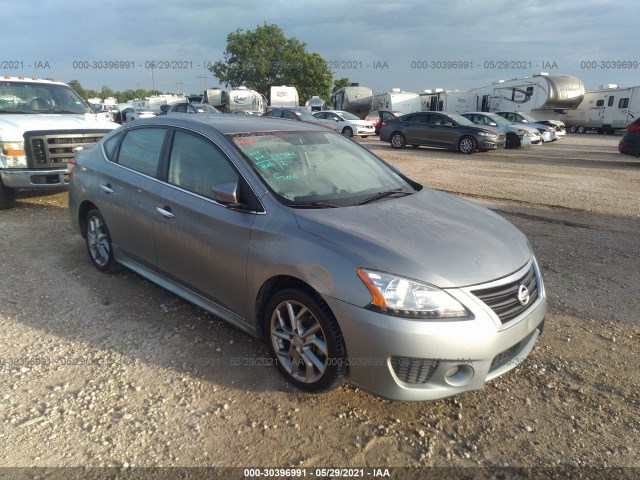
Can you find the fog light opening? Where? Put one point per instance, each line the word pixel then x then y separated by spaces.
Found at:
pixel 459 375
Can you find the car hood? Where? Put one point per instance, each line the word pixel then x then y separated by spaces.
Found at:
pixel 12 127
pixel 429 236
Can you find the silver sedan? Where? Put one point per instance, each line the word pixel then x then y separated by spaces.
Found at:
pixel 299 236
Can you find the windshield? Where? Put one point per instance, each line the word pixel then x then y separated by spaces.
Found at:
pixel 306 117
pixel 206 108
pixel 318 167
pixel 32 97
pixel 348 116
pixel 499 120
pixel 459 119
pixel 528 118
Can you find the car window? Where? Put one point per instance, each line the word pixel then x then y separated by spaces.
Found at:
pixel 140 149
pixel 409 118
pixel 197 165
pixel 438 120
pixel 110 146
pixel 320 115
pixel 275 113
pixel 289 115
pixel 423 119
pixel 387 115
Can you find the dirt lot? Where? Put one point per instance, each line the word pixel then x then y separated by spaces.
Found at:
pixel 110 370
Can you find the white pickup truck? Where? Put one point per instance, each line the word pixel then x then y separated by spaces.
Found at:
pixel 41 124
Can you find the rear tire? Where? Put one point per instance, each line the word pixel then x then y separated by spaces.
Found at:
pixel 581 129
pixel 398 140
pixel 467 145
pixel 98 242
pixel 7 197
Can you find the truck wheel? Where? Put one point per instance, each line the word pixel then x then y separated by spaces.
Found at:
pixel 7 197
pixel 99 242
pixel 581 129
pixel 572 129
pixel 467 145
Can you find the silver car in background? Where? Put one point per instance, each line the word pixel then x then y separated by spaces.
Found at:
pixel 299 236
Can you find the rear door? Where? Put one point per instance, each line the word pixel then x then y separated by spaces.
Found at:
pixel 128 192
pixel 201 244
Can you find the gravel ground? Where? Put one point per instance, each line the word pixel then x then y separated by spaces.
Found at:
pixel 111 371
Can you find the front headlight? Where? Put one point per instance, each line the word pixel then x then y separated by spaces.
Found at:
pixel 486 134
pixel 524 133
pixel 12 155
pixel 399 296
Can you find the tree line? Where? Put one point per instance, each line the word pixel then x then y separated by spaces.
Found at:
pixel 257 59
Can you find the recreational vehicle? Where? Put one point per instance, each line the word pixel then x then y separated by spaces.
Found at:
pixel 315 104
pixel 353 99
pixel 543 96
pixel 607 109
pixel 397 100
pixel 243 99
pixel 216 97
pixel 454 101
pixel 283 97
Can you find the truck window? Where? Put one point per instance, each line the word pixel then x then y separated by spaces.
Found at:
pixel 611 99
pixel 623 103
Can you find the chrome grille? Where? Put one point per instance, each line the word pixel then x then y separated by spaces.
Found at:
pixel 503 299
pixel 56 149
pixel 414 370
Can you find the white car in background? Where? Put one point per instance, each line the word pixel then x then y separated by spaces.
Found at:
pixel 348 123
pixel 132 113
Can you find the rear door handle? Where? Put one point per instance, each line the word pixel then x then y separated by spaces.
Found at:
pixel 165 212
pixel 107 188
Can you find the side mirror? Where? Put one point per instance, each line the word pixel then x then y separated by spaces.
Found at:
pixel 493 124
pixel 448 124
pixel 226 193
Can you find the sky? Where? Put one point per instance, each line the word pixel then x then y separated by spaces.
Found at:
pixel 381 44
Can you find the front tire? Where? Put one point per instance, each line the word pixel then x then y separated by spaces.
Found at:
pixel 398 140
pixel 7 197
pixel 98 242
pixel 347 132
pixel 305 340
pixel 467 145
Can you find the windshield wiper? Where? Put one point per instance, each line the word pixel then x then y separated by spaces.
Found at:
pixel 385 194
pixel 311 205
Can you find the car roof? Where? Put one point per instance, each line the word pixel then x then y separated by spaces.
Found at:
pixel 226 123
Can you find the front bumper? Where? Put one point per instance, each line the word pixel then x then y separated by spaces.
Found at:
pixel 365 131
pixel 435 359
pixel 35 179
pixel 490 145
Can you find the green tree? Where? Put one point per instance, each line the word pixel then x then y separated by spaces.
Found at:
pixel 75 84
pixel 265 57
pixel 342 82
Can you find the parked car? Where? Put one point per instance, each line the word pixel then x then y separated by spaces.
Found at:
pixel 130 114
pixel 378 116
pixel 248 112
pixel 348 123
pixel 517 134
pixel 548 133
pixel 300 115
pixel 164 109
pixel 302 237
pixel 439 129
pixel 192 108
pixel 630 142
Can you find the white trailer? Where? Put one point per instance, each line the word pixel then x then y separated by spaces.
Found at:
pixel 353 99
pixel 543 96
pixel 606 109
pixel 283 96
pixel 216 97
pixel 315 104
pixel 454 101
pixel 243 99
pixel 398 101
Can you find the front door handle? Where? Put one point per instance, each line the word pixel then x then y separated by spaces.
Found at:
pixel 107 188
pixel 165 212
